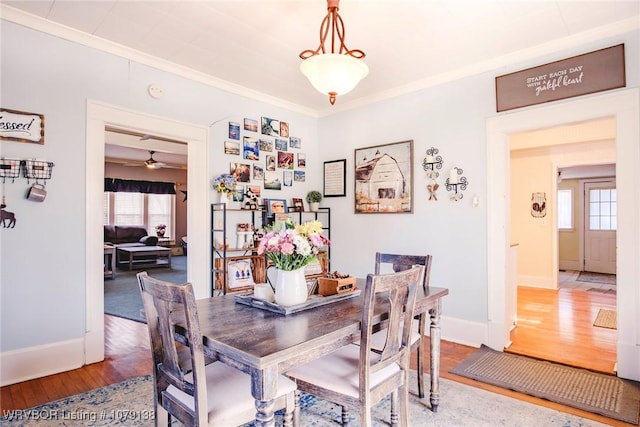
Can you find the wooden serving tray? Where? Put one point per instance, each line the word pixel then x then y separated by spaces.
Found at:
pixel 312 301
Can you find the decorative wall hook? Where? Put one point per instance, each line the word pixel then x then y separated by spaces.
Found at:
pixel 432 162
pixel 456 183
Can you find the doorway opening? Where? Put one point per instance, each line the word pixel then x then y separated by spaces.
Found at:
pixel 99 117
pixel 624 107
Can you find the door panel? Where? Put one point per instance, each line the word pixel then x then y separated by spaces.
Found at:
pixel 600 227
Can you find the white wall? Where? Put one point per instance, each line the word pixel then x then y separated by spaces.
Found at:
pixel 42 267
pixel 45 305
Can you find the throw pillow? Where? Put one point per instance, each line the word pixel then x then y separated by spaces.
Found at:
pixel 149 240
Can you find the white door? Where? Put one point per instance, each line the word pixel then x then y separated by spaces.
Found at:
pixel 600 227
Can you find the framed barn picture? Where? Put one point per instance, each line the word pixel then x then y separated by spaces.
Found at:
pixel 383 179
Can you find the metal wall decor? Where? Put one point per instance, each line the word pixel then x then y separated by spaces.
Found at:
pixel 456 183
pixel 432 162
pixel 538 205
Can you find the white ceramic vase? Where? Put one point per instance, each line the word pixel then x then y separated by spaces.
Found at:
pixel 290 288
pixel 224 198
pixel 314 206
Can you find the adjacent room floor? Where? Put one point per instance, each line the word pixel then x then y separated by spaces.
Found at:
pixel 557 325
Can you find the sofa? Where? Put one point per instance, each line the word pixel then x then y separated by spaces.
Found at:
pixel 128 235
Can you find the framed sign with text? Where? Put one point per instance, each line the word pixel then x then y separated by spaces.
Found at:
pixel 21 127
pixel 335 184
pixel 591 72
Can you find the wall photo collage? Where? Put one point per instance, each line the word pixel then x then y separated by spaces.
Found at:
pixel 268 157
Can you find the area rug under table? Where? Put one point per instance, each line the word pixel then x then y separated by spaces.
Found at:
pixel 130 403
pixel 598 393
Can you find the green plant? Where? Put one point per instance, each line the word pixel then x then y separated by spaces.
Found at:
pixel 314 196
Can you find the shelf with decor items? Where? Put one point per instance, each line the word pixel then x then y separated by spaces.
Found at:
pixel 227 251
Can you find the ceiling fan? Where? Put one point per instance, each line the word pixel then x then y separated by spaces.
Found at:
pixel 152 163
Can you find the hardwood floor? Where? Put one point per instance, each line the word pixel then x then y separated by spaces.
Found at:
pixel 557 325
pixel 128 355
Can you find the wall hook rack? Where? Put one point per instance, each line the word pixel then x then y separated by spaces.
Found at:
pixel 37 169
pixel 9 168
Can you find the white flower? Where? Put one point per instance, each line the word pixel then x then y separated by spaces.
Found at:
pixel 302 245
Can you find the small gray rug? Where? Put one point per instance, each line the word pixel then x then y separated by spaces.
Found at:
pixel 601 394
pixel 605 279
pixel 130 403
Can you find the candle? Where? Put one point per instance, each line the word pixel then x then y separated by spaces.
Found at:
pixel 453 176
pixel 430 159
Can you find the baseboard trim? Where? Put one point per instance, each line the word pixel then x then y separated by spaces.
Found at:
pixel 35 362
pixel 462 331
pixel 569 265
pixel 536 282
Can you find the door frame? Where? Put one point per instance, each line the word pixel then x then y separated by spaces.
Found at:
pixel 624 106
pixel 99 115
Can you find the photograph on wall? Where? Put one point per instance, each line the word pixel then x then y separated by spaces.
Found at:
pixel 250 148
pixel 251 125
pixel 266 144
pixel 299 176
pixel 232 147
pixel 281 144
pixel 295 142
pixel 234 130
pixel 284 129
pixel 258 171
pixel 240 171
pixel 253 190
pixel 287 178
pixel 272 180
pixel 298 205
pixel 384 178
pixel 285 160
pixel 270 162
pixel 238 193
pixel 270 126
pixel 302 160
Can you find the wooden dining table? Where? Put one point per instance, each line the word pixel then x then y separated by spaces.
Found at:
pixel 265 344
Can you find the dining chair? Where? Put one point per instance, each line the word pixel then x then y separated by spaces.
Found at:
pixel 398 262
pixel 195 393
pixel 358 376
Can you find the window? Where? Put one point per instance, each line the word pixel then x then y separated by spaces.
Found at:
pixel 565 209
pixel 159 211
pixel 603 209
pixel 128 208
pixel 122 208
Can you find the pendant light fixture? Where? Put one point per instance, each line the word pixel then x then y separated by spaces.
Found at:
pixel 339 71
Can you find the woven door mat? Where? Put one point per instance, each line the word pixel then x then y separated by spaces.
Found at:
pixel 606 319
pixel 590 391
pixel 605 279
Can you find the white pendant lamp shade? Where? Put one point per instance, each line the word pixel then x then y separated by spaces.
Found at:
pixel 334 73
